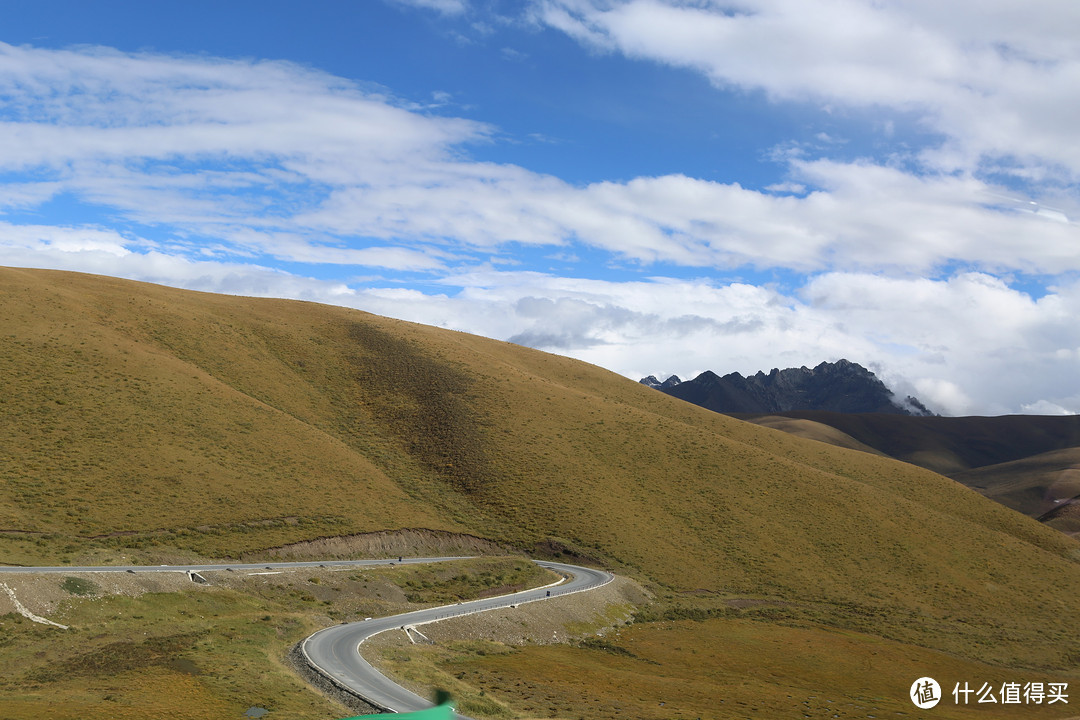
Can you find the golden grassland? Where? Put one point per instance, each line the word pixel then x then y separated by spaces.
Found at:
pixel 147 421
pixel 946 445
pixel 813 430
pixel 1027 463
pixel 1030 485
pixel 729 668
pixel 211 651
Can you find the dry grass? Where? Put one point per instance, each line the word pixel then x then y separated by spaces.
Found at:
pixel 204 651
pixel 1033 485
pixel 1065 518
pixel 152 422
pixel 729 669
pixel 812 430
pixel 148 693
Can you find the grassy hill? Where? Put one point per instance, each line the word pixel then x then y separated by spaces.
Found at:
pixel 1033 485
pixel 812 430
pixel 949 444
pixel 1029 463
pixel 142 419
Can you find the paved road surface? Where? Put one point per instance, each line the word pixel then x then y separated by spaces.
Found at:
pixel 236 567
pixel 334 652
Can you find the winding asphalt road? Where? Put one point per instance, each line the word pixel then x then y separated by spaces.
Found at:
pixel 334 652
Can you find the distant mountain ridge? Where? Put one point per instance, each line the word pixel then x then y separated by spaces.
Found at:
pixel 652 382
pixel 842 386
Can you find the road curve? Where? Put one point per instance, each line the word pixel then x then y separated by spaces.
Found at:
pixel 334 652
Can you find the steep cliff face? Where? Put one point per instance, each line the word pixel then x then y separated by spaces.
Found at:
pixel 842 386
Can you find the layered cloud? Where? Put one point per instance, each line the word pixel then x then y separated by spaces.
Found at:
pixel 255 176
pixel 994 79
pixel 268 158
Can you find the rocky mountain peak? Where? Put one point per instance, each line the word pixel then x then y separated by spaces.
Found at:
pixel 841 386
pixel 652 382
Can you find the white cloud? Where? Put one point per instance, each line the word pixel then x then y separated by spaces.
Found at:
pixel 968 344
pixel 446 7
pixel 995 78
pixel 273 158
pixel 51 238
pixel 1044 407
pixel 944 394
pixel 863 217
pixel 202 143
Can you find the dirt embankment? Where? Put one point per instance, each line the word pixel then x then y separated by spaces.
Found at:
pixel 44 594
pixel 388 543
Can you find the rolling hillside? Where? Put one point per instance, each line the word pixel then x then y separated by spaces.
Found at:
pixel 952 444
pixel 145 419
pixel 1029 463
pixel 1033 485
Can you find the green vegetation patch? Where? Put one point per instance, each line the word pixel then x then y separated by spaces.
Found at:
pixel 80 586
pixel 123 656
pixel 451 582
pixel 424 668
pixel 207 653
pixel 210 651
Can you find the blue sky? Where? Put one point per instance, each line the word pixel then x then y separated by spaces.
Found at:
pixel 654 186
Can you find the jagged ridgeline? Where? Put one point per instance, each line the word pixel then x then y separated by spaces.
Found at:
pixel 841 386
pixel 138 417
